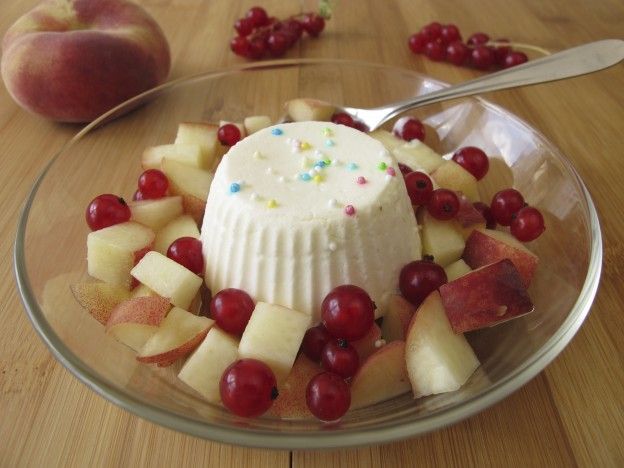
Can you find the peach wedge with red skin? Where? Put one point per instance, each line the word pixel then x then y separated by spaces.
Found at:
pixel 99 298
pixel 134 321
pixel 291 401
pixel 485 246
pixel 484 297
pixel 72 60
pixel 365 346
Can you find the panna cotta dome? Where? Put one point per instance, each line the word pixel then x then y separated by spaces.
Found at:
pixel 297 209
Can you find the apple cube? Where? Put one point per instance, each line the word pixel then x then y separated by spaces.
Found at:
pixel 438 360
pixel 99 298
pixel 255 123
pixel 389 140
pixel 305 109
pixel 156 213
pixel 190 155
pixel 397 318
pixel 142 291
pixel 456 269
pixel 452 176
pixel 134 321
pixel 291 402
pixel 369 343
pixel 273 335
pixel 113 251
pixel 418 156
pixel 486 296
pixel 187 180
pixel 203 369
pixel 485 246
pixel 178 335
pixel 441 239
pixel 381 377
pixel 182 226
pixel 204 135
pixel 167 278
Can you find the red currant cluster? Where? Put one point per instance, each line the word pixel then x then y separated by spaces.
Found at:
pixel 259 34
pixel 444 42
pixel 342 118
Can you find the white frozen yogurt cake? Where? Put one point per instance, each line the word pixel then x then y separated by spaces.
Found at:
pixel 297 209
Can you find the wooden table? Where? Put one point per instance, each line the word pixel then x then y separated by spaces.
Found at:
pixel 570 414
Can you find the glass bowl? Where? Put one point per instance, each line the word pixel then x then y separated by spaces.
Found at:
pixel 50 250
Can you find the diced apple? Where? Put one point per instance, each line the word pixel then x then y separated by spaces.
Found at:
pixel 306 109
pixel 452 176
pixel 456 269
pixel 381 377
pixel 256 122
pixel 441 239
pixel 194 207
pixel 155 214
pixel 167 278
pixel 485 246
pixel 203 369
pixel 113 251
pixel 273 335
pixel 397 318
pixel 369 343
pixel 484 297
pixel 190 155
pixel 142 291
pixel 182 226
pixel 418 156
pixel 99 298
pixel 386 138
pixel 134 321
pixel 438 360
pixel 204 135
pixel 291 402
pixel 178 335
pixel 186 180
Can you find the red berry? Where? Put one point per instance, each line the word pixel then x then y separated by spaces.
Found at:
pixel 314 341
pixel 293 30
pixel 432 31
pixel 231 309
pixel 106 210
pixel 501 51
pixel 515 58
pixel 313 24
pixel 505 204
pixel 342 118
pixel 478 39
pixel 341 358
pixel 405 169
pixel 328 396
pixel 443 204
pixel 258 16
pixel 409 128
pixel 248 388
pixel 473 159
pixel 138 196
pixel 450 33
pixel 417 42
pixel 435 51
pixel 482 57
pixel 419 278
pixel 361 126
pixel 527 224
pixel 278 44
pixel 257 48
pixel 153 184
pixel 229 134
pixel 457 53
pixel 244 26
pixel 240 46
pixel 348 312
pixel 187 251
pixel 485 211
pixel 419 187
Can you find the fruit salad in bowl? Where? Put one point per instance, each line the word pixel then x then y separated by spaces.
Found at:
pixel 281 267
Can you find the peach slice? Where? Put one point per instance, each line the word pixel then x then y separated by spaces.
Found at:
pixel 291 402
pixel 366 345
pixel 396 321
pixel 99 298
pixel 134 321
pixel 306 109
pixel 182 226
pixel 255 123
pixel 381 377
pixel 452 176
pixel 155 214
pixel 486 296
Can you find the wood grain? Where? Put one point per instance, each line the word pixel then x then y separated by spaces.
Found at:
pixel 570 415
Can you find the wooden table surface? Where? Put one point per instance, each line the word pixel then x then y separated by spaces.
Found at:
pixel 570 414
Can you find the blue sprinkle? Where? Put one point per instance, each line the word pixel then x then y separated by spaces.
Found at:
pixel 234 187
pixel 320 164
pixel 277 131
pixel 352 166
pixel 305 176
pixel 329 142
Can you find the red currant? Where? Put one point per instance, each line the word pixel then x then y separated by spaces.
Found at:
pixel 432 31
pixel 485 211
pixel 443 204
pixel 342 118
pixel 187 251
pixel 473 159
pixel 293 29
pixel 505 204
pixel 278 44
pixel 341 358
pixel 457 53
pixel 240 46
pixel 361 126
pixel 258 16
pixel 229 134
pixel 419 278
pixel 106 210
pixel 417 42
pixel 348 312
pixel 314 341
pixel 501 51
pixel 153 184
pixel 527 224
pixel 257 48
pixel 515 58
pixel 313 24
pixel 435 50
pixel 482 57
pixel 478 38
pixel 328 396
pixel 419 187
pixel 244 26
pixel 231 309
pixel 409 128
pixel 450 33
pixel 405 169
pixel 248 388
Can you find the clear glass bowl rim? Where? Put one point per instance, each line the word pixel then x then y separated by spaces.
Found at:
pixel 324 439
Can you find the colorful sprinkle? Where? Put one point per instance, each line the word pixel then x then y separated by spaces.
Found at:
pixel 271 203
pixel 327 161
pixel 349 210
pixel 382 166
pixel 320 164
pixel 327 132
pixel 277 131
pixel 332 246
pixel 305 176
pixel 352 166
pixel 234 187
pixel 391 172
pixel 332 203
pixel 317 178
pixel 305 146
pixel 329 142
pixel 361 180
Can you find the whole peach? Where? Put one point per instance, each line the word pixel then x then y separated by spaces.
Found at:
pixel 72 60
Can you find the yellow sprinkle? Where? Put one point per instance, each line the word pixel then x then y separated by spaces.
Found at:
pixel 317 178
pixel 271 203
pixel 305 146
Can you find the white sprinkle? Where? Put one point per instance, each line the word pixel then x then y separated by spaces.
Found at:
pixel 336 162
pixel 317 169
pixel 312 172
pixel 269 170
pixel 319 154
pixel 289 141
pixel 384 153
pixel 380 343
pixel 295 149
pixel 241 182
pixel 254 196
pixel 295 177
pixel 389 177
pixel 332 203
pixel 257 155
pixel 281 179
pixel 332 246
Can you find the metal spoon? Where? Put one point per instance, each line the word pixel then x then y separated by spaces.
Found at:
pixel 572 62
